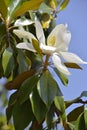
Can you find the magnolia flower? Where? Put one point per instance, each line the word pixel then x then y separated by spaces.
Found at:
pixel 56 45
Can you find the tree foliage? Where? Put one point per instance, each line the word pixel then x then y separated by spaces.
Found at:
pixel 38 98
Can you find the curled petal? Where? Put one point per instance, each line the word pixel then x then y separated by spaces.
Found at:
pixel 24 34
pixel 59 65
pixel 47 49
pixel 71 57
pixel 59 38
pixel 39 32
pixel 27 46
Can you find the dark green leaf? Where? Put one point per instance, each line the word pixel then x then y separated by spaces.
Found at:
pixel 62 77
pixel 22 62
pixel 12 101
pixel 80 124
pixel 72 65
pixel 71 126
pixel 73 115
pixel 27 87
pixel 49 117
pixel 8 61
pixel 38 107
pixel 85 117
pixel 64 4
pixel 22 115
pixel 60 105
pixel 3 9
pixel 47 88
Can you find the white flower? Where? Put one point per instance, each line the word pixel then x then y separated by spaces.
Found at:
pixel 57 45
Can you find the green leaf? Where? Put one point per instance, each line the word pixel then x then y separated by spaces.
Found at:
pixel 74 114
pixel 22 61
pixel 11 104
pixel 62 77
pixel 60 105
pixel 3 9
pixel 71 126
pixel 8 61
pixel 19 7
pixel 49 117
pixel 85 117
pixel 27 87
pixel 22 115
pixel 38 107
pixel 72 65
pixel 64 4
pixel 47 88
pixel 80 124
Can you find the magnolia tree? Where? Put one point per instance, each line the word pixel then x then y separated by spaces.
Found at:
pixel 32 49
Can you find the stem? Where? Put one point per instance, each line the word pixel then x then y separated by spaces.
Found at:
pixel 46 63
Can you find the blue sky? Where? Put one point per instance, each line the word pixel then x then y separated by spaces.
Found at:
pixel 75 15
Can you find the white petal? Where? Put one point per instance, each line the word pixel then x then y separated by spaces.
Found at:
pixel 23 22
pixel 47 49
pixel 71 57
pixel 39 32
pixel 59 65
pixel 27 46
pixel 24 34
pixel 62 37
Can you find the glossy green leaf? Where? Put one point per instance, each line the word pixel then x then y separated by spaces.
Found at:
pixel 71 126
pixel 64 4
pixel 27 87
pixel 49 117
pixel 11 103
pixel 3 9
pixel 47 88
pixel 72 65
pixel 22 61
pixel 62 77
pixel 19 7
pixel 74 114
pixel 8 61
pixel 60 105
pixel 22 115
pixel 38 107
pixel 80 124
pixel 85 117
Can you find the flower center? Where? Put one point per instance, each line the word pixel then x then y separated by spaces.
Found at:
pixel 51 41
